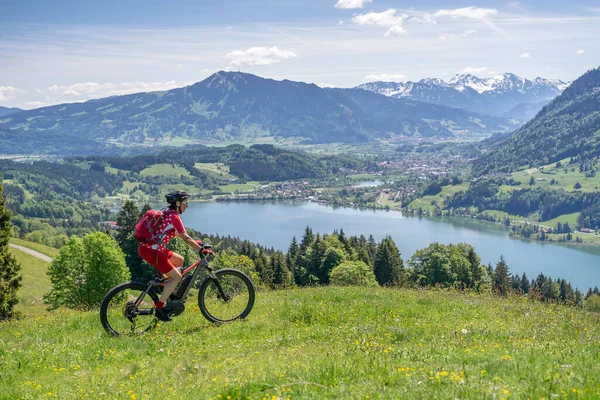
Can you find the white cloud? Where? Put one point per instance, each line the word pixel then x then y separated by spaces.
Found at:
pixel 89 90
pixel 525 55
pixel 30 105
pixel 396 30
pixel 580 51
pixel 349 4
pixel 325 85
pixel 481 14
pixel 384 18
pixel 258 56
pixel 384 78
pixel 477 13
pixel 8 93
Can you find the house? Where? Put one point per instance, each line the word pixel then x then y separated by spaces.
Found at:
pixel 586 230
pixel 109 224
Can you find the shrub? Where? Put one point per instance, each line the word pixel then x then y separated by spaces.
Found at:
pixel 85 270
pixel 353 273
pixel 592 303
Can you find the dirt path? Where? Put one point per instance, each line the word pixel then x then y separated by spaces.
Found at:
pixel 34 253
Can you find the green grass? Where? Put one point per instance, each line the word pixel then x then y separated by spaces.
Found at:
pixel 164 170
pixel 35 282
pixel 318 343
pixel 241 187
pixel 46 250
pixel 217 170
pixel 566 180
pixel 425 201
pixel 570 218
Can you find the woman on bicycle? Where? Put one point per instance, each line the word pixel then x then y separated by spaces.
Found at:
pixel 164 260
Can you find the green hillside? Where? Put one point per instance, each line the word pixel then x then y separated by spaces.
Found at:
pixel 234 107
pixel 326 342
pixel 35 282
pixel 567 127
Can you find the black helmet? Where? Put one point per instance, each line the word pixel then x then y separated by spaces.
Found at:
pixel 176 196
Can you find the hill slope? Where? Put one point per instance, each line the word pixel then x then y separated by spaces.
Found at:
pixel 237 107
pixel 8 110
pixel 568 126
pixel 324 342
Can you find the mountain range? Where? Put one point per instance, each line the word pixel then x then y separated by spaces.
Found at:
pixel 234 107
pixel 8 110
pixel 567 127
pixel 506 95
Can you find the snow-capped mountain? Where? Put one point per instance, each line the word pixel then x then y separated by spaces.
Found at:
pixel 501 95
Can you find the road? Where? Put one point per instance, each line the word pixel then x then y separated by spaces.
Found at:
pixel 34 253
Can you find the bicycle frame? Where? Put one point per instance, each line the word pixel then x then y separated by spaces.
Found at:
pixel 203 262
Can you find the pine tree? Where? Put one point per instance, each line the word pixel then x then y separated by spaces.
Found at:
pixel 389 268
pixel 524 283
pixel 501 276
pixel 291 256
pixel 281 274
pixel 371 249
pixel 127 218
pixel 10 280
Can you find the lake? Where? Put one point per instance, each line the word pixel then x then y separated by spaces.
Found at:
pixel 274 224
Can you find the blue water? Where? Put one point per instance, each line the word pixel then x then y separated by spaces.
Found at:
pixel 273 224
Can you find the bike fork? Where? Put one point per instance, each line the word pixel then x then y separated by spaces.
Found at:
pixel 219 288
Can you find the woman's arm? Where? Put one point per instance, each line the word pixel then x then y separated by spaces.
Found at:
pixel 189 241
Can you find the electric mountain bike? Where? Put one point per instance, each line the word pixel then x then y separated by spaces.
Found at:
pixel 225 295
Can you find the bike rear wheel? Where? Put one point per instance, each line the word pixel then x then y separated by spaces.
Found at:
pixel 234 301
pixel 119 313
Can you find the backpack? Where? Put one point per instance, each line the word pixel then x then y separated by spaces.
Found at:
pixel 146 229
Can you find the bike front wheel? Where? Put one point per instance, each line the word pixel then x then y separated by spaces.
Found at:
pixel 124 313
pixel 228 297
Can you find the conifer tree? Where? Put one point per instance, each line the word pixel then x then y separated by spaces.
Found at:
pixel 127 218
pixel 10 280
pixel 501 276
pixel 371 249
pixel 291 256
pixel 389 268
pixel 524 283
pixel 281 274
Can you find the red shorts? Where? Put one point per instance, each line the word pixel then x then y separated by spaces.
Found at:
pixel 158 259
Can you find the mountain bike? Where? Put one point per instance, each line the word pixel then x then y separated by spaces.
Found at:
pixel 225 295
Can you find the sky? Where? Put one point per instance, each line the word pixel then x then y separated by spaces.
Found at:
pixel 64 51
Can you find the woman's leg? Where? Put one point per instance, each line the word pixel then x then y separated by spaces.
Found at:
pixel 174 277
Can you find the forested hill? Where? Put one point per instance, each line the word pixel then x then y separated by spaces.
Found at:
pixel 233 107
pixel 569 126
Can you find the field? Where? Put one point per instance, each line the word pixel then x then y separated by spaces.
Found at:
pixel 217 170
pixel 164 170
pixel 240 187
pixel 327 342
pixel 35 282
pixel 425 202
pixel 565 177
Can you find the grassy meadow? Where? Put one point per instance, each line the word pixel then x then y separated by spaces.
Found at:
pixel 324 342
pixel 321 342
